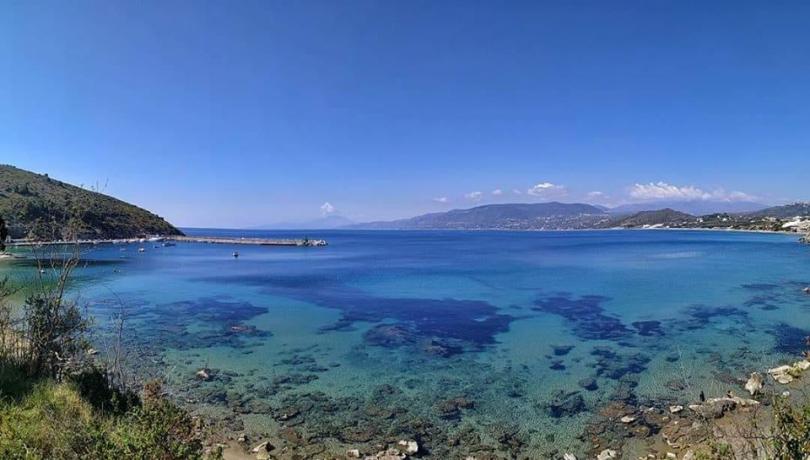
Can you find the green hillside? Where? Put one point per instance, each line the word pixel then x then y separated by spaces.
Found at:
pixel 659 217
pixel 786 211
pixel 39 207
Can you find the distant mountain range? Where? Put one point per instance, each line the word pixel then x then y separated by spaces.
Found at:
pixel 570 216
pixel 518 216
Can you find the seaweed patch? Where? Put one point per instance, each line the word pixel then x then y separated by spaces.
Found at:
pixel 586 315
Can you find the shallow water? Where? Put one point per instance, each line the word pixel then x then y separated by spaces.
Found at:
pixel 472 342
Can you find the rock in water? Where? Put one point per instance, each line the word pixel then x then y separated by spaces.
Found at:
pixel 607 454
pixel 204 375
pixel 787 373
pixel 263 447
pixel 565 404
pixel 754 384
pixel 390 454
pixel 717 407
pixel 409 447
pixel 589 384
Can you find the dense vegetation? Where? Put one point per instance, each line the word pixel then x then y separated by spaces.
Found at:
pixel 784 212
pixel 59 400
pixel 668 216
pixel 38 207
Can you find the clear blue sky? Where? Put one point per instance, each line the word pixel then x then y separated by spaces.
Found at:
pixel 219 113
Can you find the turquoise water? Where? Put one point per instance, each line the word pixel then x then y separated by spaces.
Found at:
pixel 485 343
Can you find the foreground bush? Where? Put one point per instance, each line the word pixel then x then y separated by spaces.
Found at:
pixel 49 420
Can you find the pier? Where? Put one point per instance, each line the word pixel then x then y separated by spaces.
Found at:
pixel 252 241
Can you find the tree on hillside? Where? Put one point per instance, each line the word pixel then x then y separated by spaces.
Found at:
pixel 3 234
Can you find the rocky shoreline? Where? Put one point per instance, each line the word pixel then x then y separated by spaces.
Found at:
pixel 625 428
pixel 299 422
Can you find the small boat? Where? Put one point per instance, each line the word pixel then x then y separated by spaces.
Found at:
pixel 235 254
pixel 141 249
pixel 168 244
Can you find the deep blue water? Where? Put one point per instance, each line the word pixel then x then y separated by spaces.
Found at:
pixel 382 334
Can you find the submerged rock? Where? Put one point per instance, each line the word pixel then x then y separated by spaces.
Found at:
pixel 561 350
pixel 565 404
pixel 451 408
pixel 589 383
pixel 441 348
pixel 390 336
pixel 648 328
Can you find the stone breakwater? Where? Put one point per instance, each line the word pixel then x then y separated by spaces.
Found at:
pixel 305 242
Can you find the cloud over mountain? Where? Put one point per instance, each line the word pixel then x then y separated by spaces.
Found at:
pixel 663 191
pixel 327 209
pixel 546 189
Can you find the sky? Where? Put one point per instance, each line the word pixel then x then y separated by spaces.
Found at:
pixel 239 114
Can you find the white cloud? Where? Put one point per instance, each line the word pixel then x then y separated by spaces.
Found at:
pixel 516 191
pixel 327 208
pixel 664 191
pixel 474 196
pixel 596 194
pixel 497 192
pixel 546 189
pixel 735 196
pixel 441 199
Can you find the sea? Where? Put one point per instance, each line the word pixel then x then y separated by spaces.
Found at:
pixel 484 344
